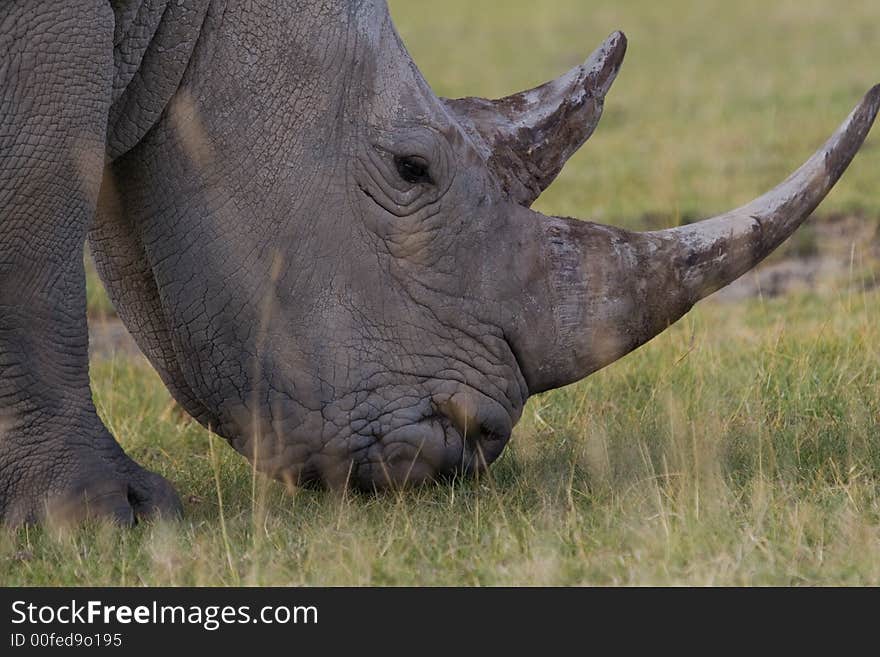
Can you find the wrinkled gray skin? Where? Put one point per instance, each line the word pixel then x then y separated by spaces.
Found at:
pixel 327 264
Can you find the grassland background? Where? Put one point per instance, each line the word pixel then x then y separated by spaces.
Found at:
pixel 740 447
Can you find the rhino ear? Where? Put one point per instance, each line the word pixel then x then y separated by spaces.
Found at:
pixel 526 138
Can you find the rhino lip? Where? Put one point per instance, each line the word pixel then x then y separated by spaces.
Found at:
pixel 431 449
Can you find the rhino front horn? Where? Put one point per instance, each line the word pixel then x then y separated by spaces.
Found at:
pixel 595 293
pixel 527 138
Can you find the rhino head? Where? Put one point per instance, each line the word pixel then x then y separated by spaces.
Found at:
pixel 339 272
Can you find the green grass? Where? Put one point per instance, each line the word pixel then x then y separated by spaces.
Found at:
pixel 740 447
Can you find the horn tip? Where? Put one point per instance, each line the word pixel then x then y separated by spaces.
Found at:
pixel 615 46
pixel 601 67
pixel 865 112
pixel 872 99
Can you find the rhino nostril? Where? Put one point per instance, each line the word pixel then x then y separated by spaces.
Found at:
pixel 474 418
pixel 461 410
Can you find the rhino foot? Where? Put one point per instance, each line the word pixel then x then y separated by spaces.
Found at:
pixel 65 482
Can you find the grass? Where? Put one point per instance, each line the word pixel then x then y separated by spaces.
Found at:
pixel 742 446
pixel 738 448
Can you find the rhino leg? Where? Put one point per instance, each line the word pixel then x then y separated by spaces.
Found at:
pixel 56 456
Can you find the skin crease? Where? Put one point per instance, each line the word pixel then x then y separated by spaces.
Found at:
pixel 328 265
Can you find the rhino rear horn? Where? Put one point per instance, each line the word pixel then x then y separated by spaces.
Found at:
pixel 526 138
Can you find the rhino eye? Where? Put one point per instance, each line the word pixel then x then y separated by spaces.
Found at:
pixel 413 169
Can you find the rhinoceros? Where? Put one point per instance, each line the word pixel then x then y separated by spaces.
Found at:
pixel 328 265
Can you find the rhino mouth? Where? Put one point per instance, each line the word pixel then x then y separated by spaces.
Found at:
pixel 410 441
pixel 433 449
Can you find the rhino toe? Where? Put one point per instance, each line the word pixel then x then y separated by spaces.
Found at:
pixel 153 497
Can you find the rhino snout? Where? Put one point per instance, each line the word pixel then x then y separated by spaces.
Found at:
pixel 465 433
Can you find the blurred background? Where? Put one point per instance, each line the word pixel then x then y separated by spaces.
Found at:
pixel 717 101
